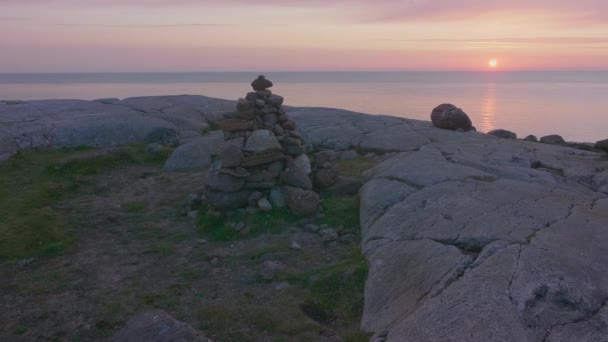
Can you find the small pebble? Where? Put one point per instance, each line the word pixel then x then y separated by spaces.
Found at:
pixel 240 226
pixel 295 246
pixel 281 286
pixel 313 228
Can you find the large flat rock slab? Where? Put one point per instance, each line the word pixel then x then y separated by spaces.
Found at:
pixel 106 123
pixel 475 238
pixel 157 326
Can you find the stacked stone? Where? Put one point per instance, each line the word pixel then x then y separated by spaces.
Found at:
pixel 264 164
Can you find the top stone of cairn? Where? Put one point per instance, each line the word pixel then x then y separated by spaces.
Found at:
pixel 261 83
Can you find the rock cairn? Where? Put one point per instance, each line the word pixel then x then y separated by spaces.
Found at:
pixel 264 164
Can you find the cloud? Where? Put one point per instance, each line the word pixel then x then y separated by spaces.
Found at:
pixel 516 41
pixel 578 11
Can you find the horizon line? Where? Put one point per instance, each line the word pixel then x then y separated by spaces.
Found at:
pixel 305 71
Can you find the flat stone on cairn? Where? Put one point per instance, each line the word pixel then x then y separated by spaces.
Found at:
pixel 269 162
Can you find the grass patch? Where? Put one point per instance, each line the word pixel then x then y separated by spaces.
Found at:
pixel 341 210
pixel 33 183
pixel 219 228
pixel 135 207
pixel 336 291
pixel 354 167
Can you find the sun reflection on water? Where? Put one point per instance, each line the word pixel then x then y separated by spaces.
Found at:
pixel 488 109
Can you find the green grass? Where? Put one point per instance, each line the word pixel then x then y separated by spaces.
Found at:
pixel 218 228
pixel 33 183
pixel 135 207
pixel 354 167
pixel 341 210
pixel 335 291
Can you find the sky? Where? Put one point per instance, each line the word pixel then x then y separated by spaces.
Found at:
pixel 300 35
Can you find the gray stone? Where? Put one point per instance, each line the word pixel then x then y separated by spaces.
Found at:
pixel 262 141
pixel 157 326
pixel 276 198
pixel 295 246
pixel 254 198
pixel 326 177
pixel 312 228
pixel 231 156
pixel 261 83
pixel 531 138
pixel 238 172
pixel 297 177
pixel 276 100
pixel 447 116
pixel 602 145
pixel 301 202
pixel 302 163
pixel 271 268
pixel 503 133
pixel 553 139
pixel 219 181
pixel 264 205
pixel 199 154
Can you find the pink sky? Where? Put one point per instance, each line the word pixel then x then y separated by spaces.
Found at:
pixel 273 35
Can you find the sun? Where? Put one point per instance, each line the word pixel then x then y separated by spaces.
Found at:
pixel 492 63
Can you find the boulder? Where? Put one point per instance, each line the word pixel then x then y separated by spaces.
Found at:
pixel 302 162
pixel 276 100
pixel 232 125
pixel 199 153
pixel 601 145
pixel 297 178
pixel 221 181
pixel 277 198
pixel 346 186
pixel 289 125
pixel 553 139
pixel 231 155
pixel 157 326
pixel 303 203
pixel 447 116
pixel 503 133
pixel 326 177
pixel 261 83
pixel 531 138
pixel 261 141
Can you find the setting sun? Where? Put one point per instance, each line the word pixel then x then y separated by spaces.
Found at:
pixel 492 63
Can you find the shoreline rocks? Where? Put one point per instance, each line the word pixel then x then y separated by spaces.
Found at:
pixel 503 133
pixel 447 116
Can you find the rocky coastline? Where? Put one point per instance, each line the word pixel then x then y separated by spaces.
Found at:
pixel 468 236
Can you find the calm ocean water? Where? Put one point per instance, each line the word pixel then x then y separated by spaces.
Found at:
pixel 571 103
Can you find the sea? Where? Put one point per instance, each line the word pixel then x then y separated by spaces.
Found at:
pixel 573 104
